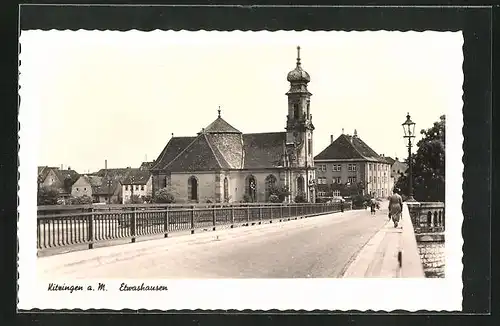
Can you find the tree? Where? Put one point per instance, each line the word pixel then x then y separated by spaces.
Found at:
pixel 47 196
pixel 428 165
pixel 81 200
pixel 278 194
pixel 164 196
pixel 135 199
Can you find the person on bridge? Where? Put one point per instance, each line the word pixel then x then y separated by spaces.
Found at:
pixel 395 207
pixel 373 206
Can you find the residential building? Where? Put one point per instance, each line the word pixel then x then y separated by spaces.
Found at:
pixel 138 183
pixel 349 162
pixel 222 164
pixel 397 168
pixel 83 186
pixel 146 165
pixel 61 180
pixel 107 191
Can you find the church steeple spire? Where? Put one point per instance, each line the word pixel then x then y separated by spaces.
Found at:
pixel 298 56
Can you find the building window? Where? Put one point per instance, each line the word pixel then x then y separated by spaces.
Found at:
pixel 142 187
pixel 322 180
pixel 192 188
pixel 270 184
pixel 336 167
pixel 226 190
pixel 126 188
pixel 84 189
pixel 77 189
pixel 300 184
pixel 251 187
pixel 336 180
pixel 351 167
pixel 351 180
pixel 336 193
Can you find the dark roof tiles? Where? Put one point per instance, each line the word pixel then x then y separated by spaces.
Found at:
pixel 349 147
pixel 136 177
pixel 220 125
pixel 263 150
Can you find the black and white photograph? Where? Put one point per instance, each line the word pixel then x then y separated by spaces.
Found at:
pixel 173 165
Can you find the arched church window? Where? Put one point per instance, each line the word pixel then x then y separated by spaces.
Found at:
pixel 300 184
pixel 251 188
pixel 270 184
pixel 226 190
pixel 193 188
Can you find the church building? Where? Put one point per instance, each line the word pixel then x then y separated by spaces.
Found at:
pixel 222 164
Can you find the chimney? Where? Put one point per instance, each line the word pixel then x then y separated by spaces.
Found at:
pixel 105 164
pixel 355 133
pixel 342 131
pixel 69 168
pixel 61 167
pixel 331 139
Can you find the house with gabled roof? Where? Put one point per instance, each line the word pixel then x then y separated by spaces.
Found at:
pixel 348 161
pixel 223 164
pixel 138 182
pixel 61 180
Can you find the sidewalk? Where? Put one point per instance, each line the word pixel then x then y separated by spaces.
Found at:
pixel 387 252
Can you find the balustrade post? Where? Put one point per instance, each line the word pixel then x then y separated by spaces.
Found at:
pixel 133 224
pixel 281 211
pixel 91 228
pixel 165 225
pixel 192 219
pixel 214 212
pixel 232 216
pixel 248 215
pixel 260 215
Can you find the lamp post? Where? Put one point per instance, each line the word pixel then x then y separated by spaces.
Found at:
pixel 409 132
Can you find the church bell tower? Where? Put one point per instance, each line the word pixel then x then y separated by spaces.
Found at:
pixel 299 129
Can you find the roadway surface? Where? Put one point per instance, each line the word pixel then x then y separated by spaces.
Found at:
pixel 315 247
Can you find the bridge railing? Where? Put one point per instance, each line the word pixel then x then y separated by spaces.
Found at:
pixel 427 217
pixel 66 226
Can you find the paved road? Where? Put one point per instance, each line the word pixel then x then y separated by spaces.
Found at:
pixel 315 247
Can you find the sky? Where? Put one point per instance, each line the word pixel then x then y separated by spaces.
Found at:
pixel 118 96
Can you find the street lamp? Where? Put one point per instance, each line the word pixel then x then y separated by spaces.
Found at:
pixel 409 131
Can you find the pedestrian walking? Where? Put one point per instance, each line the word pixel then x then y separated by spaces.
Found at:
pixel 395 207
pixel 373 206
pixel 342 205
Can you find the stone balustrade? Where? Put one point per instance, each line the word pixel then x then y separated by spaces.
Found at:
pixel 428 217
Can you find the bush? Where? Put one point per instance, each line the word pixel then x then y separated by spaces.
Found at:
pixel 82 200
pixel 47 196
pixel 358 201
pixel 280 191
pixel 247 198
pixel 135 200
pixel 301 198
pixel 275 199
pixel 164 196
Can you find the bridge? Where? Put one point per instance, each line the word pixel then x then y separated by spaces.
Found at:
pixel 233 241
